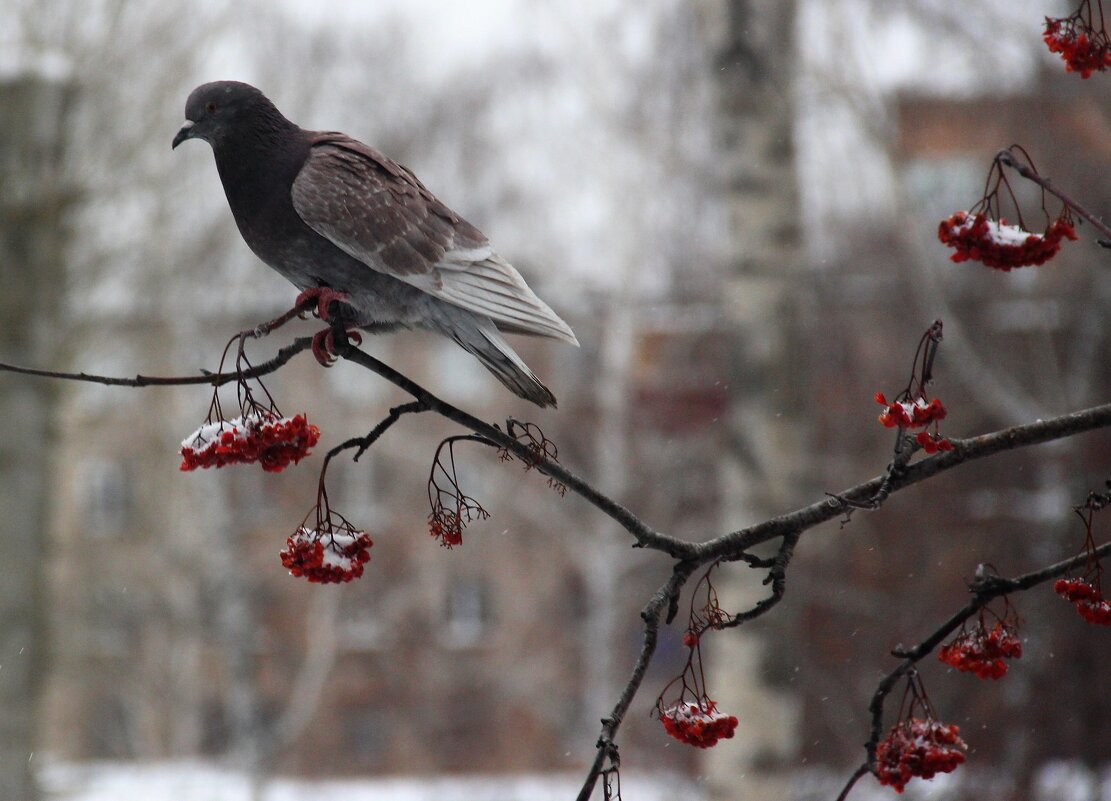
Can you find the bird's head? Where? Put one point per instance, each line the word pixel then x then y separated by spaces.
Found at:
pixel 218 109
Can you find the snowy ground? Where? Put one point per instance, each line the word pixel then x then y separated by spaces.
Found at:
pixel 206 781
pixel 200 781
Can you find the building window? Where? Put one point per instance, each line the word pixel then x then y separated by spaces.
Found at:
pixel 107 500
pixel 468 615
pixel 360 626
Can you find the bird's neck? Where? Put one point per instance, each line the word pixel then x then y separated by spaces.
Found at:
pixel 265 161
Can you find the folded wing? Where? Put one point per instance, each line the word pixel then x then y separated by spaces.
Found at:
pixel 377 211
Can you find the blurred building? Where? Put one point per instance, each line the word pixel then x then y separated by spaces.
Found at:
pixel 730 353
pixel 1018 347
pixel 175 631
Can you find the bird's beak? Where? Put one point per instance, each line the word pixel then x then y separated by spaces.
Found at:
pixel 186 132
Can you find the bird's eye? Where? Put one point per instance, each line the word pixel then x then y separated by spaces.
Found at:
pixel 210 107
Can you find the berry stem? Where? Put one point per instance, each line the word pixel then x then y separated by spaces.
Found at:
pixel 1007 158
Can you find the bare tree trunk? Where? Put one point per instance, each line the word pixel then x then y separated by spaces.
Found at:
pixel 756 56
pixel 31 252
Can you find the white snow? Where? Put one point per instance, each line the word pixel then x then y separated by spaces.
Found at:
pixel 206 781
pixel 999 233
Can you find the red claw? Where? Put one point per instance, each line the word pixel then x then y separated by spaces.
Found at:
pixel 323 296
pixel 324 344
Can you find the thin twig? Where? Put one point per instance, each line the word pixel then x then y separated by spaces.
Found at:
pixel 211 379
pixel 777 577
pixel 857 774
pixel 364 443
pixel 665 598
pixel 1006 157
pixel 645 536
pixel 965 450
pixel 984 590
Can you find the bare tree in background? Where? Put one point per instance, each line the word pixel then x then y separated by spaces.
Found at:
pixel 215 594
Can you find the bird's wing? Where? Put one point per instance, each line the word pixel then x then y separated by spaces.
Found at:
pixel 377 211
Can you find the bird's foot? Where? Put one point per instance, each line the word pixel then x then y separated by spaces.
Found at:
pixel 322 297
pixel 325 343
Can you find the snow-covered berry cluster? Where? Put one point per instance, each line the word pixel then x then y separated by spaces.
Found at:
pixel 1083 49
pixel 916 413
pixel 918 747
pixel 325 557
pixel 999 245
pixel 1087 598
pixel 698 724
pixel 910 414
pixel 981 651
pixel 271 441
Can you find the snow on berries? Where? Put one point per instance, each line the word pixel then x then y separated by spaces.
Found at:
pixel 997 244
pixel 698 724
pixel 912 408
pixel 261 436
pixel 1087 598
pixel 690 715
pixel 326 557
pixel 1084 48
pixel 330 550
pixel 982 651
pixel 918 748
pixel 983 234
pixel 910 413
pixel 913 413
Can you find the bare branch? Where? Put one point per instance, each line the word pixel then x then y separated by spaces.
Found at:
pixel 777 577
pixel 665 598
pixel 645 536
pixel 965 450
pixel 364 443
pixel 985 589
pixel 1007 157
pixel 211 379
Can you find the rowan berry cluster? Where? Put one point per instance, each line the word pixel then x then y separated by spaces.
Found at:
pixel 982 651
pixel 910 414
pixel 1087 598
pixel 698 724
pixel 326 557
pixel 996 244
pixel 451 508
pixel 1086 591
pixel 920 748
pixel 263 437
pixel 916 413
pixel 912 408
pixel 691 716
pixel 446 526
pixel 1084 48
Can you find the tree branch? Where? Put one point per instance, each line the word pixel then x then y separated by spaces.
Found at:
pixel 984 589
pixel 645 536
pixel 211 379
pixel 1007 157
pixel 364 443
pixel 966 450
pixel 665 598
pixel 777 577
pixel 689 556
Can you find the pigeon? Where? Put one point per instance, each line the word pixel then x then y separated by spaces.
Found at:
pixel 362 236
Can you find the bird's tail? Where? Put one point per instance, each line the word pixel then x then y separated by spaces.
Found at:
pixel 484 341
